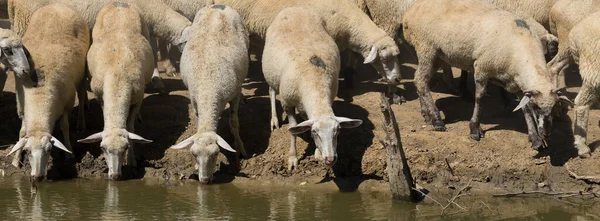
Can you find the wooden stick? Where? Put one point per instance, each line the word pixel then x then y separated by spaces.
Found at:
pixel 590 179
pixel 398 171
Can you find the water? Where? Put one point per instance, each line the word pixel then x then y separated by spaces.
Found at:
pixel 144 200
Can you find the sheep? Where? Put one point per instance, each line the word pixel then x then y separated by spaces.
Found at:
pixel 468 39
pixel 12 56
pixel 350 27
pixel 49 93
pixel 539 10
pixel 301 63
pixel 214 64
pixel 564 15
pixel 163 22
pixel 584 46
pixel 120 61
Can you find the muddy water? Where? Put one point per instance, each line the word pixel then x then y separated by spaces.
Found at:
pixel 143 200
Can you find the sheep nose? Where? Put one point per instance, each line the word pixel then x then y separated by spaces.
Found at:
pixel 330 160
pixel 37 178
pixel 114 176
pixel 204 180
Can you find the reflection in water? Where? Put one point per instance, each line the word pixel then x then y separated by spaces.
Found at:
pixel 111 201
pixel 144 200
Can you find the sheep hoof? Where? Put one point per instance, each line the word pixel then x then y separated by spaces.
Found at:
pixel 159 86
pixel 583 150
pixel 398 99
pixel 439 126
pixel 274 123
pixel 538 145
pixel 292 163
pixel 475 137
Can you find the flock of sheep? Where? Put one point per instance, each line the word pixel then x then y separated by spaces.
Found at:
pixel 507 42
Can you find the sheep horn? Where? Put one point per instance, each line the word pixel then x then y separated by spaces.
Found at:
pixel 223 144
pixel 524 101
pixel 372 56
pixel 19 145
pixel 57 143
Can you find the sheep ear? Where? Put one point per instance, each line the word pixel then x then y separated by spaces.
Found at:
pixel 19 145
pixel 372 56
pixel 184 144
pixel 348 123
pixel 55 142
pixel 301 127
pixel 524 101
pixel 137 138
pixel 223 144
pixel 97 137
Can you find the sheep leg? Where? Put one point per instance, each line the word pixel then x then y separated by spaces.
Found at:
pixel 163 48
pixel 156 81
pixel 422 76
pixel 82 96
pixel 64 127
pixel 557 66
pixel 292 157
pixel 474 124
pixel 274 120
pixel 20 93
pixel 234 125
pixel 464 89
pixel 583 102
pixel 392 93
pixel 448 78
pixel 3 78
pixel 133 113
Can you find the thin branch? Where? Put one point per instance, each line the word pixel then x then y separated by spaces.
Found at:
pixel 426 196
pixel 558 194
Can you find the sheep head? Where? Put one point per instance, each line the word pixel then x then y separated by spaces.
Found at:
pixel 540 105
pixel 205 148
pixel 114 143
pixel 383 57
pixel 324 132
pixel 13 53
pixel 39 146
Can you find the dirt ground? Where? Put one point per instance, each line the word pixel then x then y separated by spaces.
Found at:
pixel 503 160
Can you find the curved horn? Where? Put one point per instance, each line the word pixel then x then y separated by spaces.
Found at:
pixel 372 56
pixel 55 142
pixel 524 101
pixel 92 138
pixel 223 144
pixel 184 144
pixel 19 145
pixel 138 139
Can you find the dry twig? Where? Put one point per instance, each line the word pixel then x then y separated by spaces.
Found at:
pixel 590 179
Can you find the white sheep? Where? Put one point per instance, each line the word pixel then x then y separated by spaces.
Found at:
pixel 470 38
pixel 50 92
pixel 120 61
pixel 214 64
pixel 163 22
pixel 12 56
pixel 301 63
pixel 584 46
pixel 565 14
pixel 350 27
pixel 537 9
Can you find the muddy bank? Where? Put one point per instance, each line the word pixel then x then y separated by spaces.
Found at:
pixel 502 161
